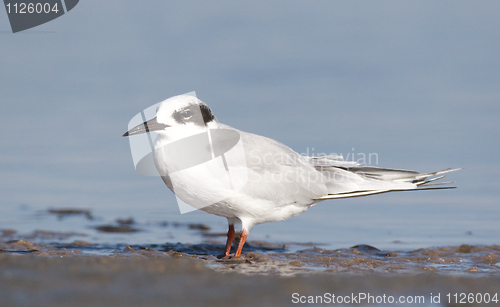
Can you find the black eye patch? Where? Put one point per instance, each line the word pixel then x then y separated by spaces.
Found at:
pixel 199 114
pixel 207 114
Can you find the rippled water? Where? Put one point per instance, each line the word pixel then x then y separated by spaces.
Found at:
pixel 330 225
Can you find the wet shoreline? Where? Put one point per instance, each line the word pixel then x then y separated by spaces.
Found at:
pixel 267 258
pixel 152 278
pixel 81 273
pixel 103 262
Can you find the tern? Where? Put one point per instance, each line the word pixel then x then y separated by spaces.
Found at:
pixel 251 179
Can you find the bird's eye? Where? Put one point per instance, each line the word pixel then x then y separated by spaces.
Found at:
pixel 186 114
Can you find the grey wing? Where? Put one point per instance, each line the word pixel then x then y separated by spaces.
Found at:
pixel 369 180
pixel 381 180
pixel 279 174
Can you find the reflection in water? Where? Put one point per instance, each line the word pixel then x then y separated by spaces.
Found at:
pixel 74 232
pixel 265 258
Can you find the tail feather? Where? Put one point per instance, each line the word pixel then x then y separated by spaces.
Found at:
pixel 419 181
pixel 424 176
pixel 437 183
pixel 424 182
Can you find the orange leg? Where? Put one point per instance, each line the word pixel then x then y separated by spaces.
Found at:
pixel 243 237
pixel 230 238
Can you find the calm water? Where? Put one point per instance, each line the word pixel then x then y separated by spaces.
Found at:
pixel 389 222
pixel 417 84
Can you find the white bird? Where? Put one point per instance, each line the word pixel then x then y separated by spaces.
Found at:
pixel 268 181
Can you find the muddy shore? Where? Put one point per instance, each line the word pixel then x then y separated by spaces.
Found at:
pixel 28 280
pixel 47 275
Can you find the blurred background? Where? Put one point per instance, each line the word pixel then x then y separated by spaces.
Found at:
pixel 416 82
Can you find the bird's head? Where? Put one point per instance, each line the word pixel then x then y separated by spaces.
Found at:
pixel 178 117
